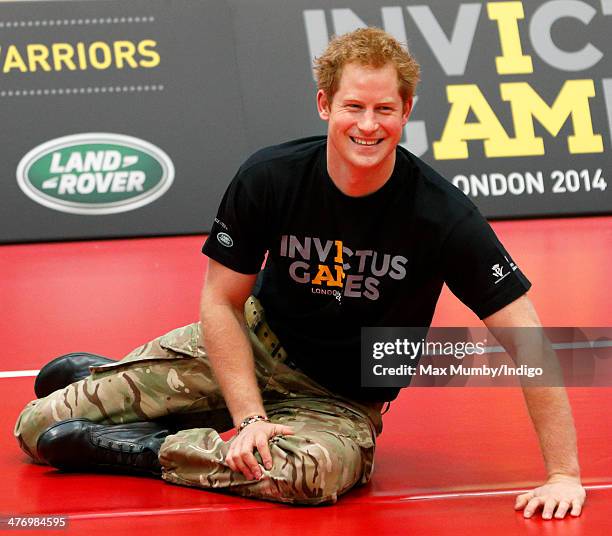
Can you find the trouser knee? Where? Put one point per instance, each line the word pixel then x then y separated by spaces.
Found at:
pixel 305 471
pixel 315 470
pixel 30 424
pixel 78 400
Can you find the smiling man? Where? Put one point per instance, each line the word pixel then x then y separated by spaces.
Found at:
pixel 366 115
pixel 355 231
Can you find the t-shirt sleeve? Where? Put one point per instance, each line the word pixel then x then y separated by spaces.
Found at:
pixel 238 237
pixel 478 269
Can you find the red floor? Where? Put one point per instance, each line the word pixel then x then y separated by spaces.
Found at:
pixel 444 444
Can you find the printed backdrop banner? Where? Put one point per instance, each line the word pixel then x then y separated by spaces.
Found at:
pixel 130 118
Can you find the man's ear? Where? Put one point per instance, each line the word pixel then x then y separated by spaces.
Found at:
pixel 408 104
pixel 323 105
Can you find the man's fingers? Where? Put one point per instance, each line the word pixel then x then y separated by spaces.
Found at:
pixel 532 506
pixel 280 429
pixel 264 451
pixel 577 507
pixel 243 468
pixel 229 457
pixel 263 445
pixel 251 463
pixel 241 450
pixel 549 508
pixel 235 458
pixel 240 454
pixel 522 500
pixel 555 498
pixel 562 509
pixel 230 463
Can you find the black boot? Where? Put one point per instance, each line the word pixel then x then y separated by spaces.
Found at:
pixel 81 445
pixel 64 370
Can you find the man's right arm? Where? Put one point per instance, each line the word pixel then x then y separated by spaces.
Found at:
pixel 228 347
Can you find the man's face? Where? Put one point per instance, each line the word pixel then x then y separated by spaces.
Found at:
pixel 366 118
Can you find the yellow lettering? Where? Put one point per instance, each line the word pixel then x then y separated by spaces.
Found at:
pixel 107 56
pixel 573 100
pixel 145 49
pixel 452 144
pixel 63 54
pixel 37 57
pixel 82 56
pixel 512 60
pixel 340 275
pixel 124 51
pixel 324 275
pixel 526 105
pixel 14 60
pixel 338 257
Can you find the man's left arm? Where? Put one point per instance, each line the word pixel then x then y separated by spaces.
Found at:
pixel 551 415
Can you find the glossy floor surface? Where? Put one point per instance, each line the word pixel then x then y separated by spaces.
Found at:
pixel 449 459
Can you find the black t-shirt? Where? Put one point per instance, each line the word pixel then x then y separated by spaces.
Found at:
pixel 336 263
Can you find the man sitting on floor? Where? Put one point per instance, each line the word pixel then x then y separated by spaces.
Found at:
pixel 357 232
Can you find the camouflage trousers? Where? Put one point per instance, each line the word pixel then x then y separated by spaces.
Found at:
pixel 170 380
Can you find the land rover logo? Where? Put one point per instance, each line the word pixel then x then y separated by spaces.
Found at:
pixel 225 240
pixel 95 173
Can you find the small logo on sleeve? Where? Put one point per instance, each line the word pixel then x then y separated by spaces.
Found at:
pixel 498 273
pixel 225 240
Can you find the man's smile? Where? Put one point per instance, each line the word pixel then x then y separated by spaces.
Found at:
pixel 363 141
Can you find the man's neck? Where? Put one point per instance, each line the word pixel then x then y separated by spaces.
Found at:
pixel 359 182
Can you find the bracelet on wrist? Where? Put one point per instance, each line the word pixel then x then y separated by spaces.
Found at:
pixel 251 420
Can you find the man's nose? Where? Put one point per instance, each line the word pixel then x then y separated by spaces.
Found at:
pixel 367 122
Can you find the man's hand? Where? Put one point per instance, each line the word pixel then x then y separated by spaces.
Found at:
pixel 560 491
pixel 240 455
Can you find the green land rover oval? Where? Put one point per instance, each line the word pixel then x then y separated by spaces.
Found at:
pixel 95 173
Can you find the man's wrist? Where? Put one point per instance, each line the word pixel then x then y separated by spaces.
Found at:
pixel 238 415
pixel 250 420
pixel 575 475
